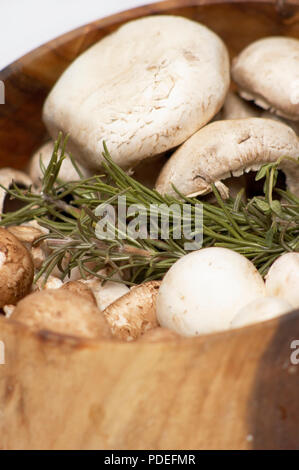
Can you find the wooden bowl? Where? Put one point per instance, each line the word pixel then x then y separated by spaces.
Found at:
pixel 234 390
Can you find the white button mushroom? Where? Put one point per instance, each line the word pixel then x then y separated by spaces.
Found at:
pixel 282 279
pixel 236 108
pixel 105 293
pixel 7 177
pixel 16 269
pixel 203 291
pixel 293 124
pixel 229 148
pixel 135 312
pixel 58 311
pixel 67 171
pixel 261 309
pixel 267 71
pixel 144 89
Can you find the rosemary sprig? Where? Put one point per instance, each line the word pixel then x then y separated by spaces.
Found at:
pixel 261 228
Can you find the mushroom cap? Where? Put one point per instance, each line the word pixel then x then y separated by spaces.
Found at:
pixel 28 234
pixel 282 279
pixel 25 233
pixel 81 289
pixel 203 291
pixel 7 177
pixel 16 269
pixel 236 108
pixel 229 148
pixel 67 171
pixel 38 256
pixel 293 124
pixel 261 309
pixel 267 71
pixel 105 293
pixel 52 282
pixel 143 89
pixel 56 310
pixel 135 312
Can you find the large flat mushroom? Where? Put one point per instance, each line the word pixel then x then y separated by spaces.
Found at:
pixel 267 71
pixel 229 148
pixel 144 89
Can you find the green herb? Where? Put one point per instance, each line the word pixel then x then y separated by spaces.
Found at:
pixel 261 228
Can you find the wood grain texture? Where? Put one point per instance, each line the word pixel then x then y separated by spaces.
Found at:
pixel 235 390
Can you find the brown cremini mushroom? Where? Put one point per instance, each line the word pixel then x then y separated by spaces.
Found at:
pixel 135 312
pixel 77 287
pixel 28 235
pixel 25 233
pixel 16 269
pixel 58 311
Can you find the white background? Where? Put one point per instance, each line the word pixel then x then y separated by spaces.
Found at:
pixel 26 24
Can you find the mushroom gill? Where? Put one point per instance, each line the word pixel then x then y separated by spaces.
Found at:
pixel 229 148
